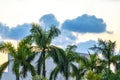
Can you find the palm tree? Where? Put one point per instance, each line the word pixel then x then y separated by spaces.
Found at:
pixel 90 63
pixel 19 57
pixel 42 40
pixel 64 62
pixel 93 61
pixel 78 72
pixel 107 48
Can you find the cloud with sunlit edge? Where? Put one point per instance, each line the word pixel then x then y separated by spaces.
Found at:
pixel 85 24
pixel 16 33
pixel 48 20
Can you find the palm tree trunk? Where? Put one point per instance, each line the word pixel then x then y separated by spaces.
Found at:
pixel 44 67
pixel 66 78
pixel 108 69
pixel 17 78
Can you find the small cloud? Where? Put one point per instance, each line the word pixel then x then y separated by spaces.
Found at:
pixel 85 24
pixel 68 34
pixel 62 41
pixel 83 47
pixel 109 32
pixel 48 20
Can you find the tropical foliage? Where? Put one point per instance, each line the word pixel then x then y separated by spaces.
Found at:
pixel 42 40
pixel 19 57
pixel 107 48
pixel 68 62
pixel 65 64
pixel 38 77
pixel 90 75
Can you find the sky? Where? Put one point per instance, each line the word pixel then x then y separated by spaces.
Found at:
pixel 81 22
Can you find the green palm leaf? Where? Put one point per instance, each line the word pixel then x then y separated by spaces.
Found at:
pixel 3 67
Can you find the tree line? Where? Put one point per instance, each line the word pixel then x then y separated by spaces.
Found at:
pixel 68 62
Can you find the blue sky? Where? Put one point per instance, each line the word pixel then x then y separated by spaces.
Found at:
pixel 81 22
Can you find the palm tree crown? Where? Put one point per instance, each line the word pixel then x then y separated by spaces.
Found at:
pixel 64 62
pixel 107 48
pixel 43 40
pixel 19 57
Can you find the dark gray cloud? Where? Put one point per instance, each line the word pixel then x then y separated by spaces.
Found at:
pixel 48 20
pixel 84 24
pixel 17 33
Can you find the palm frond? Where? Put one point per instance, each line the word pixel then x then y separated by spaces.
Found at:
pixel 115 58
pixel 83 60
pixel 32 70
pixel 74 70
pixel 7 48
pixel 56 53
pixel 39 36
pixel 16 67
pixel 39 64
pixel 3 67
pixel 30 58
pixel 78 72
pixel 36 29
pixel 70 48
pixel 28 67
pixel 28 39
pixel 24 70
pixel 52 33
pixel 54 73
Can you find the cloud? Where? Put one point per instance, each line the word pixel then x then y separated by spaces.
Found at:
pixel 65 38
pixel 68 34
pixel 109 32
pixel 17 33
pixel 20 31
pixel 62 41
pixel 85 24
pixel 48 20
pixel 83 47
pixel 4 30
